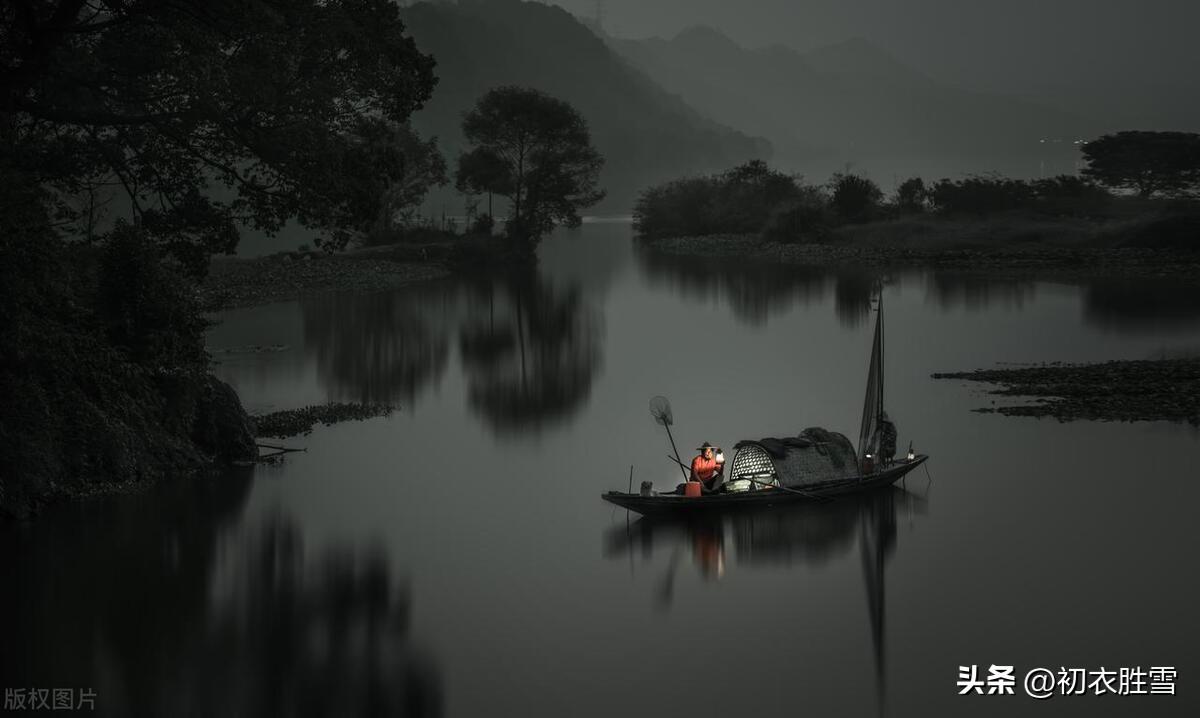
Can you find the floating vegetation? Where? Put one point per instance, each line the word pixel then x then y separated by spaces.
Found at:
pixel 1143 390
pixel 294 422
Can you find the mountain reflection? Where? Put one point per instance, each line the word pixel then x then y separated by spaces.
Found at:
pixel 164 604
pixel 782 536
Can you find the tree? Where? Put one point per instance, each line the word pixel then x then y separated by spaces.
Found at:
pixel 184 121
pixel 911 195
pixel 855 198
pixel 206 115
pixel 482 171
pixel 535 150
pixel 403 168
pixel 1146 162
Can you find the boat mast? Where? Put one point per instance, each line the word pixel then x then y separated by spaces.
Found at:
pixel 873 402
pixel 879 368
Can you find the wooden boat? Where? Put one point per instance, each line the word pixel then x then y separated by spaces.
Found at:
pixel 817 465
pixel 677 504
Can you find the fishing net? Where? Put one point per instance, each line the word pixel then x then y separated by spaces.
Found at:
pixel 660 409
pixel 816 455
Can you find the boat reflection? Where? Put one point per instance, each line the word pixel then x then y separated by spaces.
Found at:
pixel 169 604
pixel 783 536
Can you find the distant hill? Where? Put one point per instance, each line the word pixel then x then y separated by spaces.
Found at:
pixel 645 134
pixel 853 103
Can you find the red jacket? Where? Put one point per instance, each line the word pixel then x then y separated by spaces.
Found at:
pixel 703 469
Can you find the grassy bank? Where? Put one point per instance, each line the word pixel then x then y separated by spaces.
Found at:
pixel 1063 222
pixel 243 282
pixel 1156 245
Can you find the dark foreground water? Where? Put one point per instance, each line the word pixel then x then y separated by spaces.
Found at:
pixel 456 558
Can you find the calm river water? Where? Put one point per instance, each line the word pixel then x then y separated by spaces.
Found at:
pixel 456 558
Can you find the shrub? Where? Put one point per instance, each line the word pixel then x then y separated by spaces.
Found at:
pixel 806 219
pixel 1070 195
pixel 739 201
pixel 483 225
pixel 855 198
pixel 147 305
pixel 980 195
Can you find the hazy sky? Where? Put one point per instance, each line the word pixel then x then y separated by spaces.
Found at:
pixel 987 44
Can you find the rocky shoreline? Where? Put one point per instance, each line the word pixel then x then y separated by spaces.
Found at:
pixel 235 282
pixel 1141 390
pixel 1056 260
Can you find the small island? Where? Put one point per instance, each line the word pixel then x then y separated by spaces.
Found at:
pixel 1132 212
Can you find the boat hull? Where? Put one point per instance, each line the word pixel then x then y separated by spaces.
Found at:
pixel 682 505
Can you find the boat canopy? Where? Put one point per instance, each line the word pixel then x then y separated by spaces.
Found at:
pixel 813 456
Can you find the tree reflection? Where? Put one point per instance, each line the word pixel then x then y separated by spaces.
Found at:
pixel 380 347
pixel 531 358
pixel 163 606
pixel 852 295
pixel 1131 305
pixel 754 292
pixel 950 290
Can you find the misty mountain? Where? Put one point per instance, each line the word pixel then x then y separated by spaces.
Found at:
pixel 852 103
pixel 645 134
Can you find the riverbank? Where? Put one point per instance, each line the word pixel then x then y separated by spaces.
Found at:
pixel 237 282
pixel 1146 390
pixel 296 422
pixel 1017 243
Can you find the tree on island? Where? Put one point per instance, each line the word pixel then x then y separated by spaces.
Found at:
pixel 536 151
pixel 1146 162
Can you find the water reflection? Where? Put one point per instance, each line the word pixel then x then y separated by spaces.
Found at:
pixel 754 293
pixel 783 536
pixel 532 359
pixel 379 347
pixel 529 350
pixel 852 292
pixel 164 604
pixel 976 292
pixel 1141 306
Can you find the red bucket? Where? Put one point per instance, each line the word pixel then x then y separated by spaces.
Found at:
pixel 692 489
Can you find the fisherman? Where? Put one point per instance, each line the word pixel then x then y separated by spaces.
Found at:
pixel 706 467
